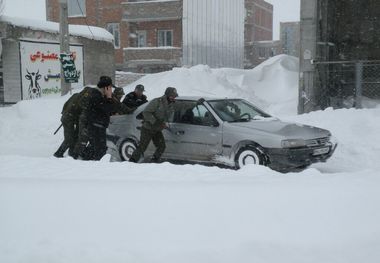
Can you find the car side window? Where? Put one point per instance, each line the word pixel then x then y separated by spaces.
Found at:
pixel 191 113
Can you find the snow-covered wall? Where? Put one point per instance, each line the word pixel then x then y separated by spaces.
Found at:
pixel 90 32
pixel 213 36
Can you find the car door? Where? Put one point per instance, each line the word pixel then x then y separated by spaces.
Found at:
pixel 194 133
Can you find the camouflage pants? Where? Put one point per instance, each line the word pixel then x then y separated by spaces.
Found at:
pixel 146 137
pixel 70 133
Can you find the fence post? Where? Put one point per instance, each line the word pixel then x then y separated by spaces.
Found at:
pixel 358 84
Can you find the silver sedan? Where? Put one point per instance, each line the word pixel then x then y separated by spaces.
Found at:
pixel 227 132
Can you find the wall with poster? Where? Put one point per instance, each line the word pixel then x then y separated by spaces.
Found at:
pixel 40 68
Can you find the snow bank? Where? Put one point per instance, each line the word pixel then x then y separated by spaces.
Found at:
pixel 70 211
pixel 91 32
pixel 357 132
pixel 273 85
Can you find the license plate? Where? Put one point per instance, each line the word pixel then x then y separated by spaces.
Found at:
pixel 321 151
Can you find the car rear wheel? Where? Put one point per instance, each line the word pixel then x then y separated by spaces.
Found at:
pixel 249 155
pixel 126 149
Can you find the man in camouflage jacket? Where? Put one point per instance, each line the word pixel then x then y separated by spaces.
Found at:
pixel 70 122
pixel 156 116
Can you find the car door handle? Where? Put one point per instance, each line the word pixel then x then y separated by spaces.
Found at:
pixel 139 128
pixel 179 133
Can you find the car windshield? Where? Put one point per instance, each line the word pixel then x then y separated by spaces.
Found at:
pixel 236 110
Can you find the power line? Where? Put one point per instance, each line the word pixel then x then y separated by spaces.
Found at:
pixel 85 18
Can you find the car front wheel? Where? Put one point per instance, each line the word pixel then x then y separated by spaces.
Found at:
pixel 126 149
pixel 249 155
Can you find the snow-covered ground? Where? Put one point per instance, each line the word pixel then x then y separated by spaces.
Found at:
pixel 62 210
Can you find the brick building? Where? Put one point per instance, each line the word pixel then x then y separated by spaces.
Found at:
pixel 258 27
pixel 101 13
pixel 155 29
pixel 152 36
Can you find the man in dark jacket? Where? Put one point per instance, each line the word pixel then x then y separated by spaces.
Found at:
pixel 70 121
pixel 97 106
pixel 118 93
pixel 156 116
pixel 120 108
pixel 135 98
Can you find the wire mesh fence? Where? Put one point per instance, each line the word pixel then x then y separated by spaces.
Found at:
pixel 346 84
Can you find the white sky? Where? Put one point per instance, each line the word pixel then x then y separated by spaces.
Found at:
pixel 284 11
pixel 34 9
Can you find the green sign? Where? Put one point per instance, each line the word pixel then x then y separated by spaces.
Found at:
pixel 70 73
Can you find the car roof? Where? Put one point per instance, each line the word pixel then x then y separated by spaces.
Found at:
pixel 195 98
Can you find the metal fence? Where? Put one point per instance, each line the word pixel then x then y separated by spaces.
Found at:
pixel 347 84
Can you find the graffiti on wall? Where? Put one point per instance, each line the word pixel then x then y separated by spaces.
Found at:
pixel 41 68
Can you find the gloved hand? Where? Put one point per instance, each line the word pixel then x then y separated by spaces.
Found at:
pixel 164 125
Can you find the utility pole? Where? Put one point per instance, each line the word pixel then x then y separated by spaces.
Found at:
pixel 64 39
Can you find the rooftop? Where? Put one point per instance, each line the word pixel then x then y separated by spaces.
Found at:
pixel 91 32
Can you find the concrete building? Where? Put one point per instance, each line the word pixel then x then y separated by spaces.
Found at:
pixel 30 66
pixel 290 38
pixel 152 36
pixel 340 50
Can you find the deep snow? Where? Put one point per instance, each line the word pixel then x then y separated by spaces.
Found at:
pixel 62 210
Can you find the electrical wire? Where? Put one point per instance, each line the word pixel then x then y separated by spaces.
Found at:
pixel 85 19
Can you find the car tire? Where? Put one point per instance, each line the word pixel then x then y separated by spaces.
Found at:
pixel 127 148
pixel 249 155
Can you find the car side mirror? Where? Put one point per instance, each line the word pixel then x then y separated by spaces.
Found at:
pixel 215 123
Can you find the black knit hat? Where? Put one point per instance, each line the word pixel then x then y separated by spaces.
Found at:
pixel 105 81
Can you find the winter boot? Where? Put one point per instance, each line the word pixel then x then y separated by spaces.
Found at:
pixel 58 154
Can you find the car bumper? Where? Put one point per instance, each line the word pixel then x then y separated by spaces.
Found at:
pixel 289 159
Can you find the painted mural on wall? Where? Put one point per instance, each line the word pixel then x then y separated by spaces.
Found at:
pixel 40 68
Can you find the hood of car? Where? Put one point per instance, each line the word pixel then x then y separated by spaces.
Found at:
pixel 283 129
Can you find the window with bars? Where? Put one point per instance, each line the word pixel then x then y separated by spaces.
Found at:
pixel 141 38
pixel 114 29
pixel 76 8
pixel 165 38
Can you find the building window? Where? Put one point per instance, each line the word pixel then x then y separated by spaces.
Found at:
pixel 141 38
pixel 165 38
pixel 114 29
pixel 262 53
pixel 76 8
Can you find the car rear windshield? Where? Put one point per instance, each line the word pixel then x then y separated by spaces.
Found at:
pixel 236 110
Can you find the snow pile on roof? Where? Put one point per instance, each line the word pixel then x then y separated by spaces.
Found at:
pixel 273 85
pixel 91 32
